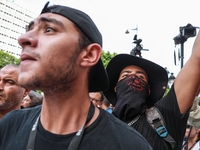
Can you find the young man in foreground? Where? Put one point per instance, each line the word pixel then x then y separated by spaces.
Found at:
pixel 61 57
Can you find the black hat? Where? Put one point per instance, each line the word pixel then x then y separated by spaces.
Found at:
pixel 157 76
pixel 98 79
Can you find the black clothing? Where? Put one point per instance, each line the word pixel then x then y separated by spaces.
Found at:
pixel 105 133
pixel 129 88
pixel 175 122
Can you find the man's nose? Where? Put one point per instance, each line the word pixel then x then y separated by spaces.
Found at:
pixel 1 86
pixel 28 39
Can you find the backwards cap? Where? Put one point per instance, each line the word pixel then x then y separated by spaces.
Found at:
pixel 98 79
pixel 79 18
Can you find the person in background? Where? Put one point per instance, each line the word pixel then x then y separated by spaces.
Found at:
pixel 35 102
pixel 106 105
pixel 191 139
pixel 11 93
pixel 99 100
pixel 137 86
pixel 96 98
pixel 194 117
pixel 32 99
pixel 25 102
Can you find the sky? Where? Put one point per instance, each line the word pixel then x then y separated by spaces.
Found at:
pixel 158 22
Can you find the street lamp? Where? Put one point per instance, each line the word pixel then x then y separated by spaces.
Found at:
pixel 127 32
pixel 136 51
pixel 171 79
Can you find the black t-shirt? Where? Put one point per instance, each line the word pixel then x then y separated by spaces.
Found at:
pixel 175 122
pixel 105 133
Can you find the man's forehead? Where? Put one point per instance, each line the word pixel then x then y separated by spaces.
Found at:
pixel 10 71
pixel 95 94
pixel 131 68
pixel 49 15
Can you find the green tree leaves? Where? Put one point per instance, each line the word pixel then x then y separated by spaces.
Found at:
pixel 6 59
pixel 106 57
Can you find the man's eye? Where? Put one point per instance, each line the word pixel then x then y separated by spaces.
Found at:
pixel 29 29
pixel 140 76
pixel 48 29
pixel 10 82
pixel 124 76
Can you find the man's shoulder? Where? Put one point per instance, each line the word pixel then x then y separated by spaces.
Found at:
pixel 21 114
pixel 118 123
pixel 15 127
pixel 120 130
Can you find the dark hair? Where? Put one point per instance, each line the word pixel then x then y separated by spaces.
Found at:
pixel 83 40
pixel 102 96
pixel 106 102
pixel 35 101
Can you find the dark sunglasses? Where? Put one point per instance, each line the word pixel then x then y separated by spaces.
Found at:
pixel 95 100
pixel 188 126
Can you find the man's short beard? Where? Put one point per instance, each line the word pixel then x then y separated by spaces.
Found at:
pixel 8 104
pixel 60 80
pixel 11 102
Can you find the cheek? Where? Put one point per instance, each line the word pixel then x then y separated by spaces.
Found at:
pixel 26 102
pixel 14 91
pixel 120 78
pixel 55 57
pixel 193 132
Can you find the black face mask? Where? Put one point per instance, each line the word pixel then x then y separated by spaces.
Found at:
pixel 132 93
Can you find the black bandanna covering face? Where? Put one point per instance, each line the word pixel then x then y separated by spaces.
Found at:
pixel 132 93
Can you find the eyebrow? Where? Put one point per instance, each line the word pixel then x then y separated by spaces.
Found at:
pixel 29 26
pixel 141 73
pixel 128 71
pixel 8 78
pixel 45 19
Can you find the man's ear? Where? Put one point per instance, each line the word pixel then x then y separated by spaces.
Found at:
pixel 91 55
pixel 101 103
pixel 149 90
pixel 26 91
pixel 115 87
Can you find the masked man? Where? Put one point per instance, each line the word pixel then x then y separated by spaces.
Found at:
pixel 137 84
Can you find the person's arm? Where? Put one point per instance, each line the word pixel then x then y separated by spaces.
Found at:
pixel 188 80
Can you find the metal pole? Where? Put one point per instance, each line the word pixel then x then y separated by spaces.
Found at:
pixel 182 53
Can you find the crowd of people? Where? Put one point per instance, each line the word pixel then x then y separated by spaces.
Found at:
pixel 84 106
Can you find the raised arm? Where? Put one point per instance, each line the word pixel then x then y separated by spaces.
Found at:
pixel 188 80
